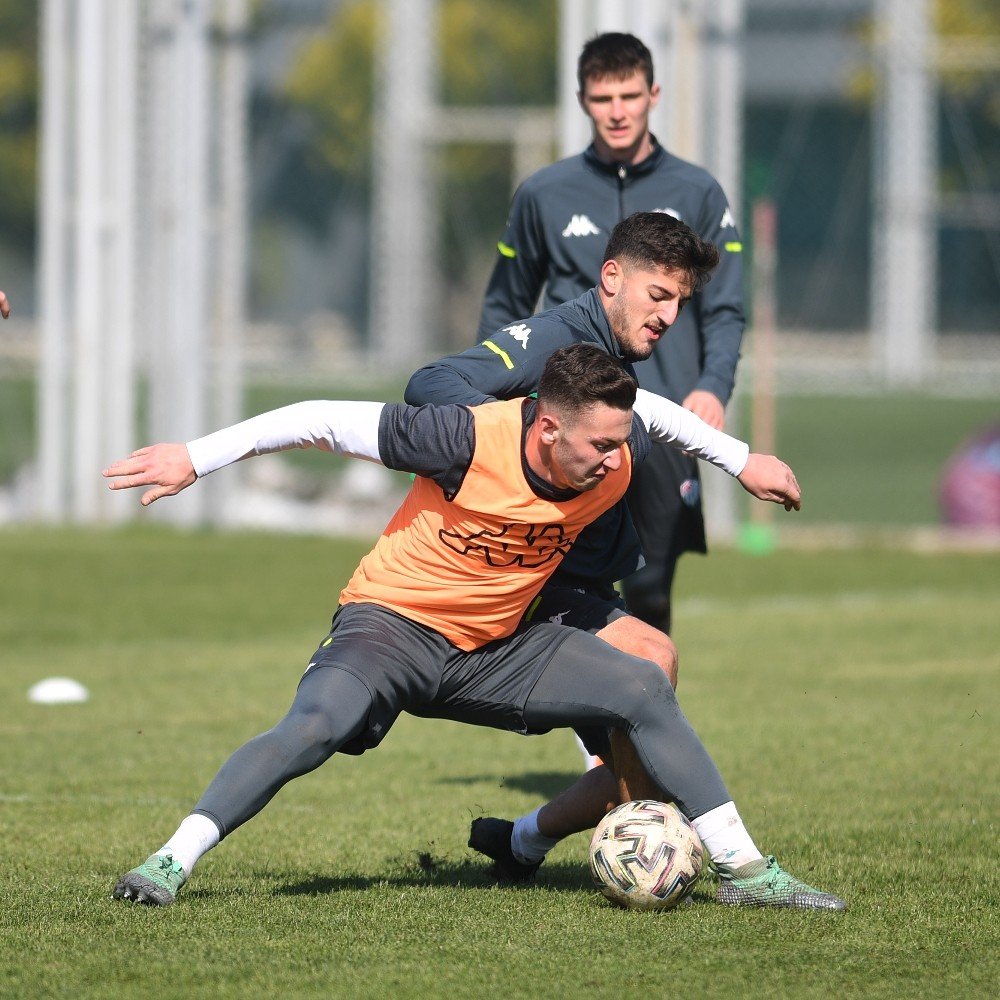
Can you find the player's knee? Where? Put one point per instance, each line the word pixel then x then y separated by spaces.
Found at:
pixel 326 715
pixel 639 639
pixel 645 687
pixel 662 651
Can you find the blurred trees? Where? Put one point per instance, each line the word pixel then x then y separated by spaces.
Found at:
pixel 18 120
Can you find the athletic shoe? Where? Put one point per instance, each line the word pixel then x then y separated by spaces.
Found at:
pixel 155 882
pixel 766 883
pixel 491 836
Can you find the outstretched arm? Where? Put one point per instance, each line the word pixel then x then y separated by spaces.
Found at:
pixel 762 476
pixel 768 478
pixel 344 428
pixel 165 467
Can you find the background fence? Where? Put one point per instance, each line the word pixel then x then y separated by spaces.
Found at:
pixel 241 204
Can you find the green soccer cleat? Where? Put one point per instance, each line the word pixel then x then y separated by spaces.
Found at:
pixel 766 883
pixel 155 882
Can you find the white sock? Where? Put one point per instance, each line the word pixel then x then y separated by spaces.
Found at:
pixel 527 842
pixel 196 836
pixel 589 760
pixel 725 837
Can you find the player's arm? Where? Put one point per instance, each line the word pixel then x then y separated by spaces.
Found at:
pixel 520 269
pixel 343 428
pixel 720 312
pixel 502 367
pixel 762 476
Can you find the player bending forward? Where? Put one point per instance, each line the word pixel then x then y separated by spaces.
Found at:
pixel 429 623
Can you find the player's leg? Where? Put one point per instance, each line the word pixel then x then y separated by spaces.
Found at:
pixel 583 804
pixel 582 687
pixel 330 707
pixel 357 682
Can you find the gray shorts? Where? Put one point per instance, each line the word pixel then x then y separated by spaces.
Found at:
pixel 410 668
pixel 576 607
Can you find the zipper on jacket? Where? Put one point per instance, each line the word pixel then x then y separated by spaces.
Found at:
pixel 622 174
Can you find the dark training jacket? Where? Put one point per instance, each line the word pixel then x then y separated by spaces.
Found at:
pixel 559 224
pixel 509 364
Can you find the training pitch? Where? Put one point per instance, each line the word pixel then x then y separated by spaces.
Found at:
pixel 850 699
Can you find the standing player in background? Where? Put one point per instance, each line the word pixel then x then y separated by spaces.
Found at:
pixel 559 223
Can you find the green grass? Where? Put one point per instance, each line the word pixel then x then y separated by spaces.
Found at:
pixel 874 460
pixel 850 698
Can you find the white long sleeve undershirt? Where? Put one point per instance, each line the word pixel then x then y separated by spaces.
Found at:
pixel 669 422
pixel 351 428
pixel 337 426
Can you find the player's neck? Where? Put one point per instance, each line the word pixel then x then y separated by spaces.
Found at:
pixel 631 156
pixel 539 458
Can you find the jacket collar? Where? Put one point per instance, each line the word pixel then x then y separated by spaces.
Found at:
pixel 591 310
pixel 655 158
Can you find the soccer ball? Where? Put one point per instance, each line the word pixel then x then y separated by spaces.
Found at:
pixel 645 856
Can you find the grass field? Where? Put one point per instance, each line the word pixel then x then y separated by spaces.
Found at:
pixel 849 697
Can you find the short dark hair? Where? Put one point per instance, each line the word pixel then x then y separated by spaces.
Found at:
pixel 580 375
pixel 613 55
pixel 658 240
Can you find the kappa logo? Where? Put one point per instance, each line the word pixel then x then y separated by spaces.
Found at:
pixel 728 222
pixel 580 225
pixel 519 332
pixel 558 619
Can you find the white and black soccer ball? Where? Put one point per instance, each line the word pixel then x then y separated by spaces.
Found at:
pixel 645 856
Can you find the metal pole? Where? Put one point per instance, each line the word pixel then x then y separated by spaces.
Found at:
pixel 904 294
pixel 89 290
pixel 54 353
pixel 230 297
pixel 574 29
pixel 120 167
pixel 404 248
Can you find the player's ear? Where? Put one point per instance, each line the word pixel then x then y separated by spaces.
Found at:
pixel 548 427
pixel 611 277
pixel 654 95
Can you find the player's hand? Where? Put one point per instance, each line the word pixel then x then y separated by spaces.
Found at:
pixel 165 467
pixel 708 406
pixel 768 478
pixel 4 306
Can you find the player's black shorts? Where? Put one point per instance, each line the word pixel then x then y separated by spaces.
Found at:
pixel 586 608
pixel 408 667
pixel 665 503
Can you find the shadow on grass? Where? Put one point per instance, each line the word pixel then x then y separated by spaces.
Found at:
pixel 542 783
pixel 429 872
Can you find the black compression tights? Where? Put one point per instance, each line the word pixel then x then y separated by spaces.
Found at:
pixel 587 683
pixel 331 706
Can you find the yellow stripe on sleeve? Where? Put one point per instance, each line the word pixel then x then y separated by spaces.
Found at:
pixel 501 353
pixel 505 250
pixel 734 247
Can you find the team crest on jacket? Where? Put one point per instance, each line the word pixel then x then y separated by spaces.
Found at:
pixel 525 545
pixel 690 491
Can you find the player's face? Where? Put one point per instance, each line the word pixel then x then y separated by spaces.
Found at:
pixel 645 305
pixel 620 110
pixel 589 446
